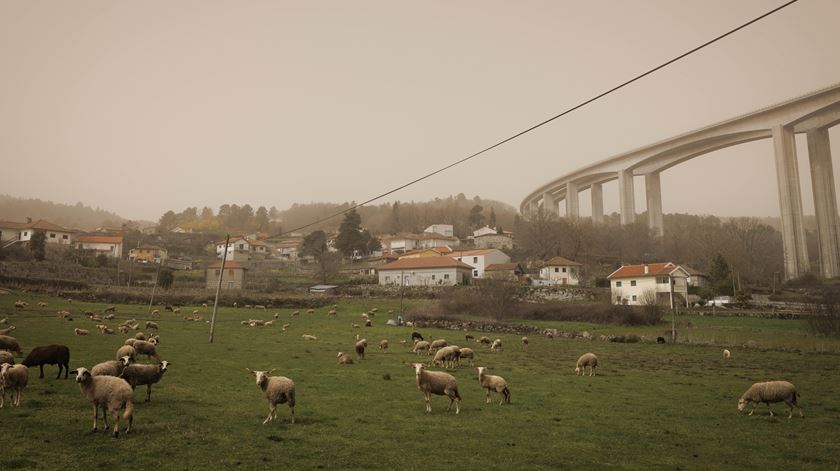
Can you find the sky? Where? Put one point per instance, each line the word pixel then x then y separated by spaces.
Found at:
pixel 142 107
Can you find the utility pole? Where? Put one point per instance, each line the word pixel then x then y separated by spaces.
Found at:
pixel 218 289
pixel 673 311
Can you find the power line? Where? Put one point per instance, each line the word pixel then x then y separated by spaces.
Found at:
pixel 543 123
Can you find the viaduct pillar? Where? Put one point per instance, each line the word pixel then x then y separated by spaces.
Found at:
pixel 653 192
pixel 790 203
pixel 627 196
pixel 549 204
pixel 825 201
pixel 596 193
pixel 572 202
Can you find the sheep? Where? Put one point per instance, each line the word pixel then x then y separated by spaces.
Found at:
pixel 138 375
pixel 204 305
pixel 383 344
pixel 368 323
pixel 10 344
pixel 111 368
pixel 447 356
pixel 355 326
pixel 259 306
pixel 109 309
pixel 550 335
pixel 467 353
pixel 4 320
pixel 344 359
pixel 155 313
pixel 8 330
pixel 268 323
pixel 496 383
pixel 65 315
pixel 438 383
pixel 14 378
pixel 19 305
pixel 360 348
pixel 416 336
pixel 152 325
pixel 105 330
pixel 6 357
pixel 296 313
pixel 525 341
pixel 468 337
pixel 109 317
pixel 42 304
pixel 587 359
pixel 111 393
pixel 140 336
pixel 484 341
pixel 127 350
pixel 79 331
pixel 437 344
pixel 310 311
pixel 332 313
pixel 123 329
pixel 146 348
pixel 285 326
pixel 770 391
pixel 421 345
pixel 169 308
pixel 726 354
pixel 277 390
pixel 49 355
pixel 496 345
pixel 309 337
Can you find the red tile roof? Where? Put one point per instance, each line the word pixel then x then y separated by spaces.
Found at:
pixel 561 262
pixel 503 267
pixel 654 269
pixel 47 226
pixel 228 264
pixel 471 253
pixel 100 239
pixel 424 262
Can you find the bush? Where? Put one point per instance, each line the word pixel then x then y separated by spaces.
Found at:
pixel 825 317
pixel 594 313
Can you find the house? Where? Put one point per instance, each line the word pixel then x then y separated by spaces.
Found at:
pixel 504 271
pixel 180 230
pixel 242 249
pixel 560 270
pixel 665 283
pixel 374 262
pixel 479 259
pixel 288 250
pixel 495 241
pixel 444 229
pixel 148 254
pixel 233 278
pixel 696 278
pixel 404 242
pixel 425 271
pixel 179 264
pixel 111 246
pixel 435 252
pixel 16 231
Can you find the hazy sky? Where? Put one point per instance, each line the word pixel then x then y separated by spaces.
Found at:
pixel 139 107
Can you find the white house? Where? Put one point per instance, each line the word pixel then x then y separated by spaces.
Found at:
pixel 112 246
pixel 649 282
pixel 242 250
pixel 561 270
pixel 445 229
pixel 54 233
pixel 425 271
pixel 402 243
pixel 480 259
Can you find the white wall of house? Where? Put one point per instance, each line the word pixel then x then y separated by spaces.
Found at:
pixel 445 229
pixel 9 234
pixel 561 274
pixel 480 262
pixel 111 250
pixel 424 277
pixel 633 291
pixel 52 237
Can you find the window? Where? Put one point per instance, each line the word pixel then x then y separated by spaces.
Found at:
pixel 662 280
pixel 25 234
pixel 230 284
pixel 556 269
pixel 433 276
pixel 475 272
pixel 634 297
pixel 387 278
pixel 52 236
pixel 230 272
pixel 564 269
pixel 632 282
pixel 241 246
pixel 475 259
pixel 618 284
pixel 446 276
pixel 218 272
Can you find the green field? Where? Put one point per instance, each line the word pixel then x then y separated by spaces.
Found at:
pixel 650 407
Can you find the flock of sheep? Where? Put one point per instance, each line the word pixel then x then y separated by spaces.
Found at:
pixel 110 385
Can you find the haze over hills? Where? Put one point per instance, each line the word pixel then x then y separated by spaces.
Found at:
pixel 76 216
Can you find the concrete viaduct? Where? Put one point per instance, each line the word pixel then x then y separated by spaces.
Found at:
pixel 812 114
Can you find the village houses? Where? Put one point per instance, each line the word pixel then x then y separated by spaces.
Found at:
pixel 480 259
pixel 562 271
pixel 22 232
pixel 425 271
pixel 111 246
pixel 648 283
pixel 148 254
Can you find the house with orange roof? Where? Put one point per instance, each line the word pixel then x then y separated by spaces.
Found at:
pixel 111 246
pixel 425 271
pixel 17 231
pixel 664 283
pixel 561 270
pixel 148 254
pixel 505 271
pixel 480 259
pixel 242 249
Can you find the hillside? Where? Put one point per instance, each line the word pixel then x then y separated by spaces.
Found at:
pixel 73 216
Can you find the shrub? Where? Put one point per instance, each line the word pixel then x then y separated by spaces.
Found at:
pixel 825 316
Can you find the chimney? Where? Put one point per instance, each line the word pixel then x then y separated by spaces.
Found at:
pixel 646 269
pixel 29 220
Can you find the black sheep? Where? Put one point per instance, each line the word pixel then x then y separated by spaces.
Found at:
pixel 416 336
pixel 49 355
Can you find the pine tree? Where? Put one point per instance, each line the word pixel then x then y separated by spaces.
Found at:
pixel 350 239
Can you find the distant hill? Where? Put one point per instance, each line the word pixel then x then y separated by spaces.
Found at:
pixel 73 216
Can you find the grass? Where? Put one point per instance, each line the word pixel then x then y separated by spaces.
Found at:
pixel 651 406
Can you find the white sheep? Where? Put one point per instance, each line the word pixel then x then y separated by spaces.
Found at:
pixel 467 352
pixel 111 393
pixel 421 345
pixel 344 359
pixel 495 383
pixel 438 383
pixel 146 348
pixel 437 344
pixel 277 390
pixel 138 375
pixel 127 350
pixel 79 331
pixel 111 368
pixel 309 337
pixel 496 345
pixel 7 330
pixel 360 348
pixel 726 354
pixel 447 356
pixel 152 325
pixel 383 344
pixel 13 378
pixel 587 359
pixel 6 357
pixel 4 320
pixel 770 391
pixel 525 341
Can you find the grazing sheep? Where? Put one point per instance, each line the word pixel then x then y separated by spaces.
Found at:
pixel 587 359
pixel 726 353
pixel 332 313
pixel 19 305
pixel 437 344
pixel 468 337
pixel 79 331
pixel 127 351
pixel 123 329
pixel 259 306
pixel 285 326
pixel 146 348
pixel 6 357
pixel 65 315
pixel 10 344
pixel 7 331
pixel 109 317
pixel 467 352
pixel 140 336
pixel 168 308
pixel 309 337
pixel 368 323
pixel 416 336
pixel 204 305
pixel 310 311
pixel 14 378
pixel 355 326
pixel 111 368
pixel 383 344
pixel 447 356
pixel 438 383
pixel 296 313
pixel 4 320
pixel 484 341
pixel 109 309
pixel 360 348
pixel 420 345
pixel 152 325
pixel 495 383
pixel 496 345
pixel 550 335
pixel 111 393
pixel 138 375
pixel 770 391
pixel 155 313
pixel 105 330
pixel 276 315
pixel 42 304
pixel 49 355
pixel 525 341
pixel 277 389
pixel 344 359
